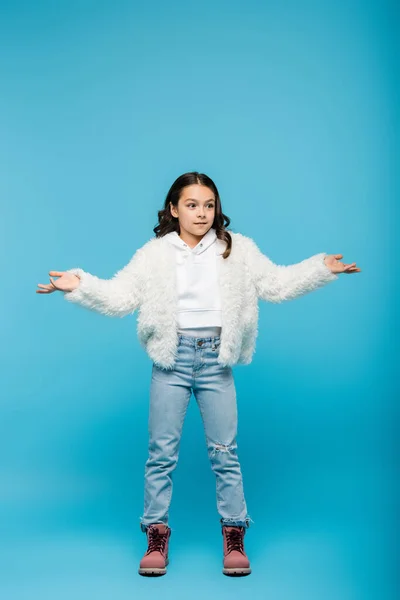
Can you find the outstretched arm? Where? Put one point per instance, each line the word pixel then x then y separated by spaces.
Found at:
pixel 115 297
pixel 276 283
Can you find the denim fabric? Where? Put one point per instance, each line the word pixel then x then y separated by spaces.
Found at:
pixel 196 370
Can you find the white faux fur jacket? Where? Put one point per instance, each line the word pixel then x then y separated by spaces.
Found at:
pixel 147 283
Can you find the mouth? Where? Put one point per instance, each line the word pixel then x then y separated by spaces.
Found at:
pixel 200 223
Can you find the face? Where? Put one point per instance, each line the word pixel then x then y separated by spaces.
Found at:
pixel 195 210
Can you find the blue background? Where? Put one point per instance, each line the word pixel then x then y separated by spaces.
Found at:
pixel 292 109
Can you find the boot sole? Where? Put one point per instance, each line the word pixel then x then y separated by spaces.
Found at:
pixel 237 572
pixel 153 571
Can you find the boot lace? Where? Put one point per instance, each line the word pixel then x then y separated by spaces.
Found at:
pixel 157 540
pixel 234 540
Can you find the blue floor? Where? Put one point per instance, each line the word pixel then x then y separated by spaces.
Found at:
pixel 313 564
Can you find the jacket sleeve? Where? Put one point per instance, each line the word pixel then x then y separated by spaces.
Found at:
pixel 115 297
pixel 277 283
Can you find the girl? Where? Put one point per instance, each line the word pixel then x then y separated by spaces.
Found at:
pixel 196 286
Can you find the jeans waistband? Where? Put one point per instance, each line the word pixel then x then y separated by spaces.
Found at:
pixel 203 342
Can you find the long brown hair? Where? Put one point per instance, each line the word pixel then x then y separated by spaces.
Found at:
pixel 168 223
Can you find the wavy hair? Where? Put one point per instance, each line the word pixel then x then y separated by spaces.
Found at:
pixel 168 223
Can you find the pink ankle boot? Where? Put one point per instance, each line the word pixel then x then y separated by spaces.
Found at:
pixel 236 562
pixel 155 560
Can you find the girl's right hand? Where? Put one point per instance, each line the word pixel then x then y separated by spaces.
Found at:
pixel 67 282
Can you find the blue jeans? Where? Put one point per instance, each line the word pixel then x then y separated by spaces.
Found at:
pixel 196 369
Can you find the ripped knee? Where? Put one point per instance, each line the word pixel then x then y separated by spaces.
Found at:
pixel 222 448
pixel 225 448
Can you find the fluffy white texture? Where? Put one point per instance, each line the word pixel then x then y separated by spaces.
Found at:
pixel 148 283
pixel 277 283
pixel 116 297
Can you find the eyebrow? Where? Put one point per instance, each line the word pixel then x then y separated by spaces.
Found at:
pixel 193 200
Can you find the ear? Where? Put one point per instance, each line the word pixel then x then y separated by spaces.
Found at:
pixel 173 210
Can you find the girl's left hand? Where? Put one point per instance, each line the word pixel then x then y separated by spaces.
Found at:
pixel 331 261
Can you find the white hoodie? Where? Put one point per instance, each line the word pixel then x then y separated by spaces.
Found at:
pixel 199 301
